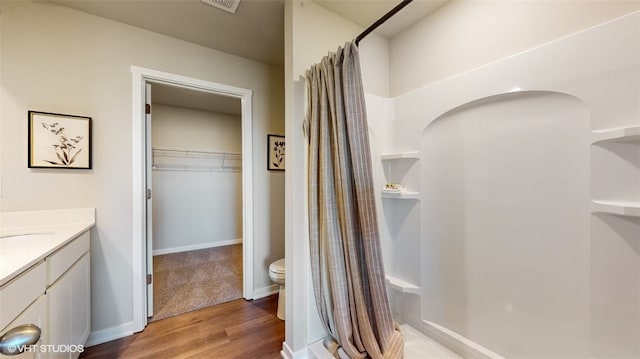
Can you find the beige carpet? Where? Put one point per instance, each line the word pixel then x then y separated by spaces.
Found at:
pixel 192 280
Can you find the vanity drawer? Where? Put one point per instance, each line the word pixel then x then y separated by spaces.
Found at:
pixel 63 259
pixel 28 286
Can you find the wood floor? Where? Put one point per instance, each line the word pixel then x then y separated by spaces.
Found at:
pixel 237 329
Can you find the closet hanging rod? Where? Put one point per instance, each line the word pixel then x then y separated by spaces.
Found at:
pixel 187 153
pixel 194 168
pixel 382 20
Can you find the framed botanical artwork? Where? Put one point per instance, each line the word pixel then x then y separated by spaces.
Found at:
pixel 59 141
pixel 275 153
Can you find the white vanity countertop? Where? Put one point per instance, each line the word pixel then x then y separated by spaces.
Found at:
pixel 36 237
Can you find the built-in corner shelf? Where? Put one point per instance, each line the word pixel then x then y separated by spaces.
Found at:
pixel 614 162
pixel 624 134
pixel 391 176
pixel 631 209
pixel 401 195
pixel 401 155
pixel 402 286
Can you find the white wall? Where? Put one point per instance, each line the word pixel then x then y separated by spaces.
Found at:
pixel 179 127
pixel 466 34
pixel 62 60
pixel 193 207
pixel 374 65
pixel 318 31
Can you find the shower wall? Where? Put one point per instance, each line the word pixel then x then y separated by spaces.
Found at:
pixel 519 236
pixel 463 35
pixel 505 223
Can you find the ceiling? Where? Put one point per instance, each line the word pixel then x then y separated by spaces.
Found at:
pixel 366 12
pixel 195 99
pixel 255 31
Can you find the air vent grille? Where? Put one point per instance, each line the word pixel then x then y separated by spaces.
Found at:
pixel 226 5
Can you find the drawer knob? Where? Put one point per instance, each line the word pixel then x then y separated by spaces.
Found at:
pixel 16 340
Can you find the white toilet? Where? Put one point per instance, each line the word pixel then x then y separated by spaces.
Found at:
pixel 276 273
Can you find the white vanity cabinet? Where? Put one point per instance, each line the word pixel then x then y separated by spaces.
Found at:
pixel 69 297
pixel 25 295
pixel 36 314
pixel 55 295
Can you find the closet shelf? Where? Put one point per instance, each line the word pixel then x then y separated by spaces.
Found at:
pixel 631 209
pixel 192 168
pixel 625 134
pixel 195 160
pixel 402 286
pixel 401 155
pixel 401 195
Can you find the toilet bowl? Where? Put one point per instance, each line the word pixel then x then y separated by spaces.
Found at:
pixel 276 273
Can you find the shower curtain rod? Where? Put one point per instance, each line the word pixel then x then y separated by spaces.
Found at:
pixel 382 20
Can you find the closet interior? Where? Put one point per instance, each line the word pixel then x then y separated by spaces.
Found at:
pixel 197 199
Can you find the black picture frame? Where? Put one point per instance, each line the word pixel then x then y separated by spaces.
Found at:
pixel 275 153
pixel 57 140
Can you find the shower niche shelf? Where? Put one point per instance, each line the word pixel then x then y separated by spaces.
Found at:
pixel 614 155
pixel 401 195
pixel 396 167
pixel 631 209
pixel 624 134
pixel 401 155
pixel 402 286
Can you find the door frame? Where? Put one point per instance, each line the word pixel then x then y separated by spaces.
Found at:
pixel 139 78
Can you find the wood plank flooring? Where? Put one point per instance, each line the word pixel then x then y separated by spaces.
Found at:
pixel 238 329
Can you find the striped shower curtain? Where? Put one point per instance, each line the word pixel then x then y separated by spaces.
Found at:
pixel 346 260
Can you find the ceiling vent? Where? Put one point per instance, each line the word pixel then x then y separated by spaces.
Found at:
pixel 226 5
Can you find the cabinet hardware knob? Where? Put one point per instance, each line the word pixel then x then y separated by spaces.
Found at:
pixel 17 339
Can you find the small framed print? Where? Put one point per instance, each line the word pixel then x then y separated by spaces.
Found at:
pixel 275 153
pixel 59 141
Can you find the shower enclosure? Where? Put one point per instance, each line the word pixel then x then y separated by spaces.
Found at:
pixel 517 233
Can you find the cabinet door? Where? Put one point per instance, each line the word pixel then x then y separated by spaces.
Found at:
pixel 59 300
pixel 69 308
pixel 81 302
pixel 36 314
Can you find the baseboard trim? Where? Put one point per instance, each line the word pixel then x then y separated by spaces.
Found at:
pixel 193 247
pixel 319 351
pixel 109 334
pixel 265 291
pixel 288 353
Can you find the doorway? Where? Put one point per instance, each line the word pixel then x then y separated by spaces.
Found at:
pixel 196 181
pixel 142 158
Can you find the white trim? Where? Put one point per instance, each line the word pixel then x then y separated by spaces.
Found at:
pixel 138 201
pixel 109 334
pixel 194 247
pixel 139 77
pixel 318 350
pixel 457 343
pixel 265 291
pixel 287 353
pixel 299 297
